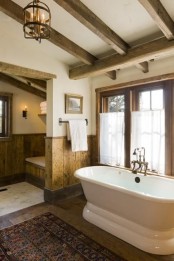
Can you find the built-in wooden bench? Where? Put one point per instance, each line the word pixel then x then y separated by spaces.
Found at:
pixel 35 170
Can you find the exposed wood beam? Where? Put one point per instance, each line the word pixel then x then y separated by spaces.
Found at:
pixel 144 67
pixel 22 85
pixel 160 16
pixel 12 9
pixel 152 50
pixel 84 15
pixel 72 48
pixel 77 9
pixel 42 84
pixel 16 12
pixel 24 72
pixel 64 43
pixel 112 74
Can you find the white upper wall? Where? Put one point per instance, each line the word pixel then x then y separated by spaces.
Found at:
pixel 56 90
pixel 30 54
pixel 20 125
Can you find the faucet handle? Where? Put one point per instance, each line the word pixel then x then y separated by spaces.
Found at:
pixel 145 167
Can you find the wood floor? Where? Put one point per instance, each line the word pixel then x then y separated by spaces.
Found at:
pixel 70 210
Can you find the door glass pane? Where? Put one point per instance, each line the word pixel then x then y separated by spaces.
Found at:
pixel 116 103
pixel 144 100
pixel 157 99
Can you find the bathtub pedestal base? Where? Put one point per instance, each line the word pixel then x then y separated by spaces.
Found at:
pixel 151 241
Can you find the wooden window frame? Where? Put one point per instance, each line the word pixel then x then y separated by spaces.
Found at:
pixel 7 116
pixel 131 94
pixel 103 104
pixel 148 87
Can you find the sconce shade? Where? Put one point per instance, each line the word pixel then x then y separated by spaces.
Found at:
pixel 37 21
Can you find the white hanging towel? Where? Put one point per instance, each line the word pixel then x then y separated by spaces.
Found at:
pixel 43 104
pixel 43 107
pixel 68 132
pixel 78 135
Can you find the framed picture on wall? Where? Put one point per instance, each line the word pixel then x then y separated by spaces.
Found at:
pixel 73 103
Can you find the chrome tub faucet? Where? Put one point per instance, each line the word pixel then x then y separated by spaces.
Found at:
pixel 139 165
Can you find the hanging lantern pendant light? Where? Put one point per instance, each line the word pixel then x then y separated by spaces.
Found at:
pixel 37 21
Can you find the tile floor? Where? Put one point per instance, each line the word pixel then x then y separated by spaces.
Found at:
pixel 19 196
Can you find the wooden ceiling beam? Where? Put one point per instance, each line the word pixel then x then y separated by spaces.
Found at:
pixel 156 49
pixel 160 16
pixel 84 15
pixel 16 12
pixel 144 67
pixel 24 72
pixel 40 83
pixel 75 50
pixel 21 85
pixel 13 10
pixel 67 45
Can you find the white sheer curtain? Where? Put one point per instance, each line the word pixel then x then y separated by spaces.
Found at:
pixel 112 138
pixel 148 130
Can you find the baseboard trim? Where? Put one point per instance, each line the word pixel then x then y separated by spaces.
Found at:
pixel 12 179
pixel 40 183
pixel 68 192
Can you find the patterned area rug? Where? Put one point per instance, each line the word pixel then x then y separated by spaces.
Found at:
pixel 48 238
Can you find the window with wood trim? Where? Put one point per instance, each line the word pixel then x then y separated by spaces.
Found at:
pixel 155 98
pixel 118 103
pixel 148 128
pixel 5 115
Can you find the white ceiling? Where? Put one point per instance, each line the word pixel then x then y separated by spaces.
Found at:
pixel 126 17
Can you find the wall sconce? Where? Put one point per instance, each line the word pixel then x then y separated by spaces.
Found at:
pixel 24 113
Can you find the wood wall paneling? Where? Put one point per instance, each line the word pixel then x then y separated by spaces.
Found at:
pixel 62 162
pixel 73 161
pixel 35 175
pixel 34 145
pixel 54 164
pixel 14 151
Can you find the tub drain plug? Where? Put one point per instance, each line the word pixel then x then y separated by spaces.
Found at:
pixel 137 179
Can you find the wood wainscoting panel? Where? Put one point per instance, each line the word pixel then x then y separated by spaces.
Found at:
pixel 34 145
pixel 54 163
pixel 14 151
pixel 35 174
pixel 11 156
pixel 73 161
pixel 3 149
pixel 62 162
pixel 57 167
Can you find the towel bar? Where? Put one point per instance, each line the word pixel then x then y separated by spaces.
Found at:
pixel 61 121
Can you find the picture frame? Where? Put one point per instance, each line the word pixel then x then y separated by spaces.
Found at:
pixel 73 103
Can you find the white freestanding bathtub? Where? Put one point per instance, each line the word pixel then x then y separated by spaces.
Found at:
pixel 136 208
